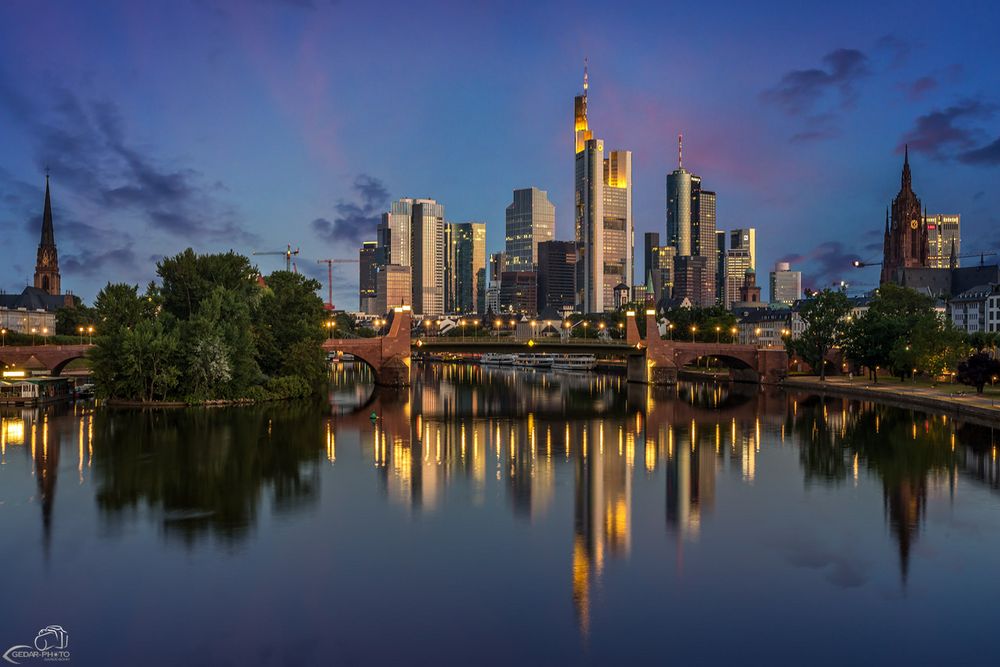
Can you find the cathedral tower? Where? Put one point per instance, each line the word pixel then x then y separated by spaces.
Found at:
pixel 905 244
pixel 47 262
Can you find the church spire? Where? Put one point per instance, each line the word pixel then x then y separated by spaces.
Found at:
pixel 906 167
pixel 953 260
pixel 48 236
pixel 886 220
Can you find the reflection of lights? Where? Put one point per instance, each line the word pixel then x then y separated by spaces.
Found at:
pixel 13 431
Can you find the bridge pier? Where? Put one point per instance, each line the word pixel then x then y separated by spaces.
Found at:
pixel 388 356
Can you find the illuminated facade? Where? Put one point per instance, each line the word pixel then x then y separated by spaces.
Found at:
pixel 944 237
pixel 738 262
pixel 531 219
pixel 394 233
pixel 367 276
pixel 392 287
pixel 602 215
pixel 465 267
pixel 427 252
pixel 786 285
pixel 691 222
pixel 745 239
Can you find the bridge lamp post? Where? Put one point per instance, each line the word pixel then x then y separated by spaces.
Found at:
pixel 694 330
pixel 600 326
pixel 566 326
pixel 718 330
pixel 756 333
pixel 79 330
pixel 621 327
pixel 585 325
pixel 3 334
pixel 734 331
pixel 497 327
pixel 90 335
pixel 427 327
pixel 461 323
pixel 33 332
pixel 533 323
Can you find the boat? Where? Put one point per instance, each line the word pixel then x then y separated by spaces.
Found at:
pixel 496 359
pixel 533 361
pixel 574 362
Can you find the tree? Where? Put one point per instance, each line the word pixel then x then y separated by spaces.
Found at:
pixel 823 315
pixel 868 341
pixel 979 369
pixel 290 311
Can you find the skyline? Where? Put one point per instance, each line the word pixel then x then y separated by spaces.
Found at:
pixel 259 128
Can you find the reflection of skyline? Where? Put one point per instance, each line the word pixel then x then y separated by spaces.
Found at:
pixel 203 472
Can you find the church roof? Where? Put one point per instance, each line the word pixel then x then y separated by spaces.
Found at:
pixel 48 235
pixel 33 298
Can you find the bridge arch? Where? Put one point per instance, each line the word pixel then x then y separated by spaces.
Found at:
pixel 61 365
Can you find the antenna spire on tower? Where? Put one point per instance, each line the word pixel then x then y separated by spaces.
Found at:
pixel 586 80
pixel 680 151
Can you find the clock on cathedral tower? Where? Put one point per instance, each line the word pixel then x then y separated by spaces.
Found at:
pixel 905 245
pixel 47 276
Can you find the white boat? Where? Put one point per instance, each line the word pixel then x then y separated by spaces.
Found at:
pixel 528 360
pixel 574 362
pixel 496 359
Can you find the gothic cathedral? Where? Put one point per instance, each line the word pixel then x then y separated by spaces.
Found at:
pixel 905 243
pixel 47 262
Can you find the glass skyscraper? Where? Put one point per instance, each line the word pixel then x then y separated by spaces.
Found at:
pixel 531 219
pixel 942 230
pixel 427 253
pixel 465 266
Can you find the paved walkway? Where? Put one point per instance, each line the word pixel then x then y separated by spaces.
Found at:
pixel 969 402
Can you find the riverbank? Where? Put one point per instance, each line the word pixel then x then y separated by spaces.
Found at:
pixel 948 399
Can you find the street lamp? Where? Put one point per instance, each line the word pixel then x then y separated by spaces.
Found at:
pixel 600 325
pixel 694 330
pixel 33 332
pixel 79 330
pixel 734 331
pixel 670 331
pixel 585 325
pixel 427 327
pixel 3 334
pixel 718 330
pixel 756 333
pixel 90 334
pixel 621 325
pixel 330 324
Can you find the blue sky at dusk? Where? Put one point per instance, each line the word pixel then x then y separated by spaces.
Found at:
pixel 249 125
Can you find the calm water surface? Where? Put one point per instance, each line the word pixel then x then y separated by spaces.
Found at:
pixel 502 517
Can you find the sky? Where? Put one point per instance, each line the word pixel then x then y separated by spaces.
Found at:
pixel 253 124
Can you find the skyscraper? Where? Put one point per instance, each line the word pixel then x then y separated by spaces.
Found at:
pixel 745 239
pixel 427 257
pixel 393 234
pixel 392 288
pixel 531 219
pixel 690 280
pixel 786 285
pixel 691 221
pixel 602 215
pixel 556 275
pixel 942 230
pixel 465 265
pixel 720 266
pixel 367 276
pixel 738 261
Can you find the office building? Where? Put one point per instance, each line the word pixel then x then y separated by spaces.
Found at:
pixel 392 287
pixel 427 251
pixel 531 219
pixel 745 239
pixel 393 234
pixel 786 285
pixel 465 266
pixel 944 236
pixel 367 276
pixel 602 216
pixel 556 275
pixel 738 262
pixel 692 280
pixel 519 292
pixel 720 266
pixel 691 222
pixel 498 263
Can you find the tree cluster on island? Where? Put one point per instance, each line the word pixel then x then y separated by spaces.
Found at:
pixel 211 329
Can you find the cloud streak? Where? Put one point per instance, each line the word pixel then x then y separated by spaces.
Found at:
pixel 940 132
pixel 801 90
pixel 357 219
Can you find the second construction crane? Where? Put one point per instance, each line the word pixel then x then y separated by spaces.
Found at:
pixel 329 277
pixel 288 253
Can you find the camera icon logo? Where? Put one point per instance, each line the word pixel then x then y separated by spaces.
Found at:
pixel 52 638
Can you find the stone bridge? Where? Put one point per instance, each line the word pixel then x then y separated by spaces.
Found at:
pixel 651 360
pixel 52 357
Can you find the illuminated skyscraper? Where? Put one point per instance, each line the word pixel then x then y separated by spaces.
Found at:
pixel 745 239
pixel 691 228
pixel 427 257
pixel 367 283
pixel 942 230
pixel 531 219
pixel 786 285
pixel 737 263
pixel 720 266
pixel 465 266
pixel 602 215
pixel 394 236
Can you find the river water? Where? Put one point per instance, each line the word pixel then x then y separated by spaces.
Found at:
pixel 493 516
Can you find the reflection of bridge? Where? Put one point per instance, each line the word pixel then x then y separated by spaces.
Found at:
pixel 651 360
pixel 53 357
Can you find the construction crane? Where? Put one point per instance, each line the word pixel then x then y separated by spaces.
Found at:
pixel 288 253
pixel 858 264
pixel 329 277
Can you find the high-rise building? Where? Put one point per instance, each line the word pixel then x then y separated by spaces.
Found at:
pixel 691 280
pixel 619 242
pixel 393 234
pixel 465 265
pixel 519 292
pixel 691 222
pixel 786 285
pixel 905 244
pixel 650 247
pixel 661 273
pixel 392 287
pixel 556 275
pixel 531 219
pixel 47 276
pixel 367 276
pixel 602 214
pixel 745 239
pixel 720 266
pixel 498 264
pixel 738 262
pixel 427 252
pixel 943 233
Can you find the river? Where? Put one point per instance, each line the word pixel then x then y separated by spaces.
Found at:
pixel 493 516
